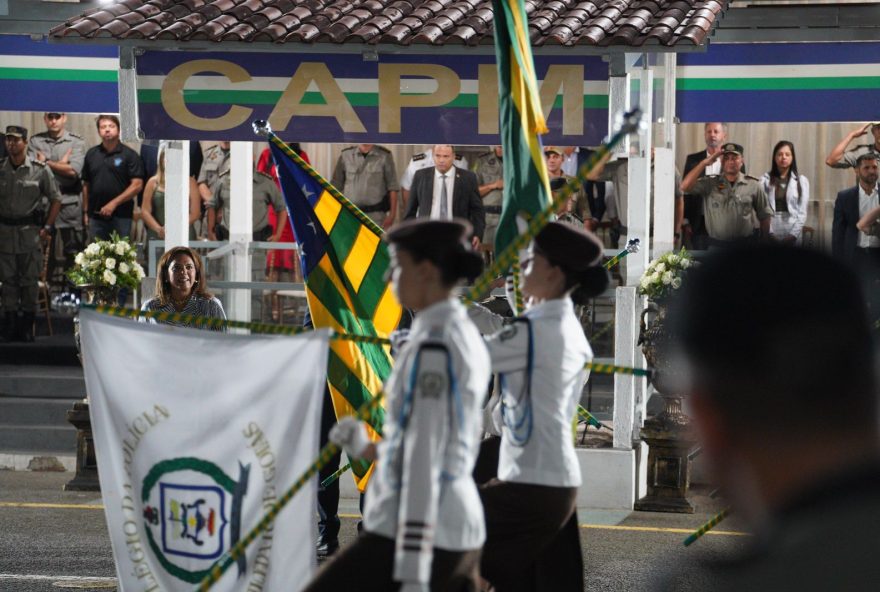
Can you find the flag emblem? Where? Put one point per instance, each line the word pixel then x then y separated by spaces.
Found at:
pixel 192 514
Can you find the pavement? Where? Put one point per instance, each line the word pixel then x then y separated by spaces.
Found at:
pixel 52 540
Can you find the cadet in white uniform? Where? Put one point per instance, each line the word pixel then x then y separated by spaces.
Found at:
pixel 532 537
pixel 423 522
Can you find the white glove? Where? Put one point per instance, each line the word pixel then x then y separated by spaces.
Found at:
pixel 415 587
pixel 350 435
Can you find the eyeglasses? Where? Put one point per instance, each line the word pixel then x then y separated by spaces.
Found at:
pixel 182 268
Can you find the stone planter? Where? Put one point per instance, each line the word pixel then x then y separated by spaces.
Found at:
pixel 668 434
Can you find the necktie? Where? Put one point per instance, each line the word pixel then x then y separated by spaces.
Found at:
pixel 444 209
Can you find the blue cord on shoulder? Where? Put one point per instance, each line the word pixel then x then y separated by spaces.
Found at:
pixel 519 413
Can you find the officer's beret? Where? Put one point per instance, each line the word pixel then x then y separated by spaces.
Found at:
pixel 16 130
pixel 731 147
pixel 568 246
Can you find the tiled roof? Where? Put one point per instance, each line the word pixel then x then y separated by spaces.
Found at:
pixel 398 22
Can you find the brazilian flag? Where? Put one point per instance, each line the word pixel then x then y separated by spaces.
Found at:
pixel 344 262
pixel 526 183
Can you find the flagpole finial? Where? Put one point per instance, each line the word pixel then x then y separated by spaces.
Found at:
pixel 631 122
pixel 262 127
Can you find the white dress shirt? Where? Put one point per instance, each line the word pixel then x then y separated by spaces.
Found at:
pixel 438 189
pixel 570 163
pixel 422 494
pixel 714 168
pixel 867 202
pixel 537 446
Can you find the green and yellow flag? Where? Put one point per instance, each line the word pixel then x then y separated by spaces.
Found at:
pixel 344 262
pixel 526 183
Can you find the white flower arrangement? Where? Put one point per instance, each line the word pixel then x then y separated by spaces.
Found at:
pixel 107 264
pixel 664 275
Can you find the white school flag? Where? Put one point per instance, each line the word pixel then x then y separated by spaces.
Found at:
pixel 197 433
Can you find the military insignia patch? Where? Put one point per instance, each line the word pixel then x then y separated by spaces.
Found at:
pixel 431 384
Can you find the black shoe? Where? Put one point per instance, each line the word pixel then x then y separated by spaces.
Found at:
pixel 7 334
pixel 25 328
pixel 325 549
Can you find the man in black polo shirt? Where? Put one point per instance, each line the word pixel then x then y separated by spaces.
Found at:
pixel 112 175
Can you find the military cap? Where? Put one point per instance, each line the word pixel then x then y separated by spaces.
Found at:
pixel 417 235
pixel 17 130
pixel 731 147
pixel 875 124
pixel 568 246
pixel 555 149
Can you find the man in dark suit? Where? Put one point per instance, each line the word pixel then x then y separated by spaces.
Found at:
pixel 847 242
pixel 803 474
pixel 444 191
pixel 715 134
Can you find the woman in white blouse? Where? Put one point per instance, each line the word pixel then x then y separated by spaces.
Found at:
pixel 788 193
pixel 540 359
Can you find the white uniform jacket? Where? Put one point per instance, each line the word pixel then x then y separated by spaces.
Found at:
pixel 422 494
pixel 791 223
pixel 540 360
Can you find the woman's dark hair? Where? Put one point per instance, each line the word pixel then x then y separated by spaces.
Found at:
pixel 578 254
pixel 589 283
pixel 775 177
pixel 163 286
pixel 443 243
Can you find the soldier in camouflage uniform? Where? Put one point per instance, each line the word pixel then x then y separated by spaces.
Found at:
pixel 576 209
pixel 490 176
pixel 216 161
pixel 24 183
pixel 63 152
pixel 366 175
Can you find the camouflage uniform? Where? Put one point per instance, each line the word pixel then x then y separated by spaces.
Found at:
pixel 22 191
pixel 490 168
pixel 367 179
pixel 69 223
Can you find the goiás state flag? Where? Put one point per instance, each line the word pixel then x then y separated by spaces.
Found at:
pixel 343 262
pixel 197 434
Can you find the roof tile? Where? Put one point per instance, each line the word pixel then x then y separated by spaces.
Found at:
pixel 399 22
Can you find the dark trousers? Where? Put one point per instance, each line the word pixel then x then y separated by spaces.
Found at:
pixel 867 265
pixel 328 497
pixel 532 538
pixel 367 564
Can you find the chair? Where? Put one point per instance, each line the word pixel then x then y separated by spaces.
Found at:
pixel 43 283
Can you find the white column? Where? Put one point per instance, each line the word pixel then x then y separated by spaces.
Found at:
pixel 639 223
pixel 241 225
pixel 625 328
pixel 127 92
pixel 176 193
pixel 664 200
pixel 664 163
pixel 618 103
